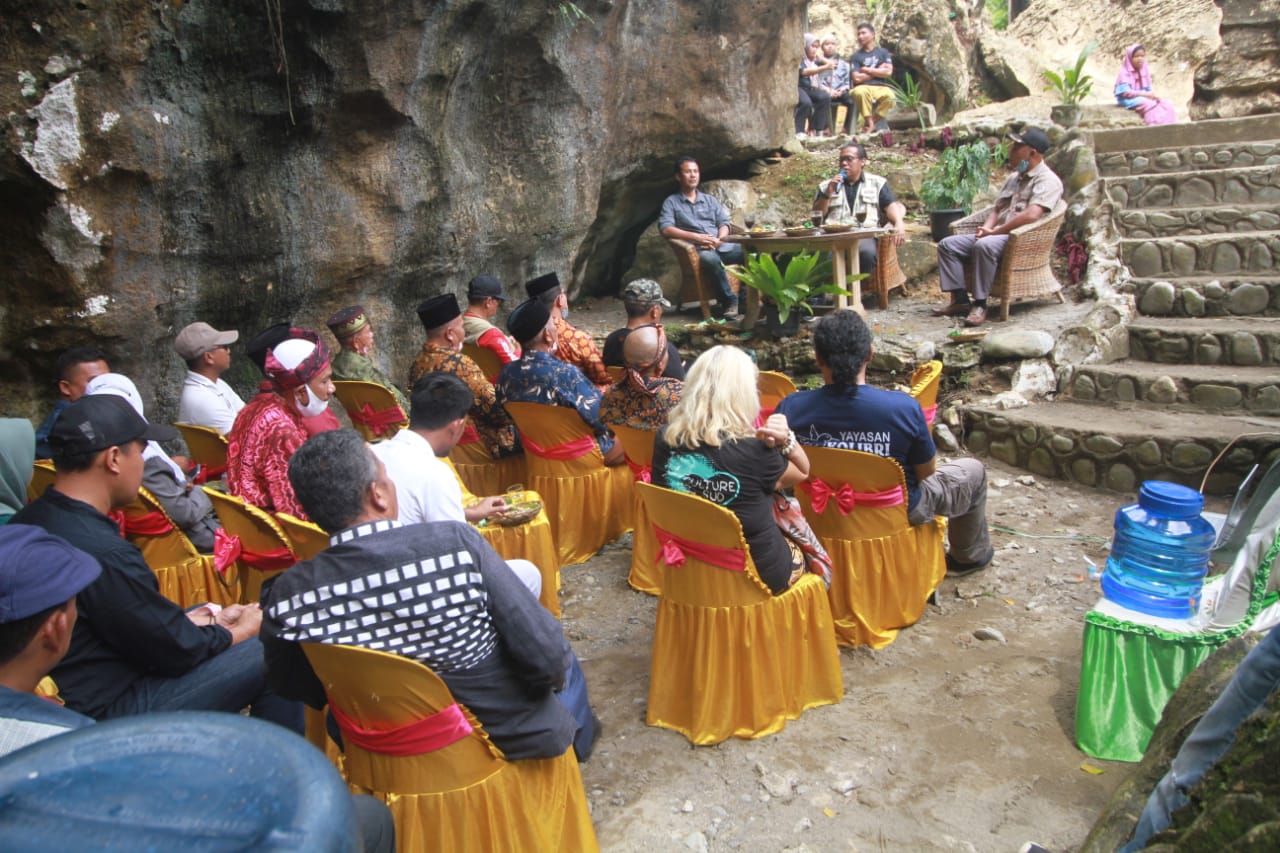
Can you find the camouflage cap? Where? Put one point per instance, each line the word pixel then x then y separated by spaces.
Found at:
pixel 645 291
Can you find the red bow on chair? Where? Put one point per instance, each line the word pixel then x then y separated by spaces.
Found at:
pixel 930 412
pixel 674 550
pixel 820 492
pixel 643 473
pixel 432 732
pixel 227 549
pixel 469 434
pixel 580 446
pixel 380 421
pixel 153 523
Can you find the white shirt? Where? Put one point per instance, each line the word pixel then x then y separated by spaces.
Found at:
pixel 425 487
pixel 210 404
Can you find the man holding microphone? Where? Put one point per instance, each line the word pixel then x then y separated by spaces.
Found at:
pixel 857 197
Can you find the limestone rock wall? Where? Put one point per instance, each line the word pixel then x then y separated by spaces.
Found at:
pixel 243 162
pixel 1243 78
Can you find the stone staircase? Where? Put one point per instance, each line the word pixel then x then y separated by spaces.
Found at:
pixel 1195 216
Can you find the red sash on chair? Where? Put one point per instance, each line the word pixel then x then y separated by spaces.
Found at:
pixel 469 434
pixel 209 475
pixel 673 551
pixel 643 473
pixel 153 523
pixel 820 492
pixel 379 421
pixel 227 549
pixel 580 446
pixel 432 732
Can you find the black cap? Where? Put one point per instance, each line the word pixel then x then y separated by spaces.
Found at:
pixel 98 421
pixel 485 285
pixel 438 310
pixel 256 348
pixel 527 320
pixel 1033 136
pixel 541 285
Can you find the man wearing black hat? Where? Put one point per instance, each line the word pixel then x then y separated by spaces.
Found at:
pixel 573 346
pixel 484 296
pixel 39 578
pixel 133 650
pixel 442 352
pixel 540 377
pixel 1027 195
pixel 354 360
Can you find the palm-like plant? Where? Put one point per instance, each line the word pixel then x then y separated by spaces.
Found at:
pixel 790 288
pixel 908 96
pixel 1072 85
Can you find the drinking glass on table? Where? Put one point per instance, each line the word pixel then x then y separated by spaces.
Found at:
pixel 514 494
pixel 815 217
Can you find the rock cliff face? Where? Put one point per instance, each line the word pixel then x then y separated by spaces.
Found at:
pixel 1243 78
pixel 243 163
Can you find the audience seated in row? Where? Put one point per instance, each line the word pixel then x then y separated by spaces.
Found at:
pixel 134 650
pixel 574 346
pixel 354 360
pixel 471 621
pixel 74 370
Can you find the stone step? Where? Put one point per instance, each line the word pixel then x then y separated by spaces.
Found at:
pixel 1258 185
pixel 1177 221
pixel 1197 159
pixel 1256 253
pixel 1206 295
pixel 1238 341
pixel 1118 447
pixel 1214 388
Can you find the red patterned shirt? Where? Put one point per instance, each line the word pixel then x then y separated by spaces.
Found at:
pixel 578 348
pixel 261 442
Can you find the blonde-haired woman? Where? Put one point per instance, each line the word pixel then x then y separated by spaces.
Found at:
pixel 711 448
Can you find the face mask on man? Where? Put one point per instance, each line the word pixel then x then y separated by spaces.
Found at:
pixel 314 405
pixel 1022 166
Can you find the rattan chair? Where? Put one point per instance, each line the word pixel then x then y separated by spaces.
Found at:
pixel 1025 271
pixel 693 286
pixel 887 275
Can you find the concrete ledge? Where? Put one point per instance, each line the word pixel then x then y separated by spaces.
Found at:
pixel 1187 134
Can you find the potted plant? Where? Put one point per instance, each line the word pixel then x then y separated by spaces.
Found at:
pixel 1071 86
pixel 784 290
pixel 908 96
pixel 951 184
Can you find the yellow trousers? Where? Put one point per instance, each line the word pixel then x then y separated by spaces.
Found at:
pixel 873 102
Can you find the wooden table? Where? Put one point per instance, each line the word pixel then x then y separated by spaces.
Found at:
pixel 842 246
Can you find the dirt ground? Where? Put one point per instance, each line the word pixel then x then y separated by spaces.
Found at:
pixel 958 736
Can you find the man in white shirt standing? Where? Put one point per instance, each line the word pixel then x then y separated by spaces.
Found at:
pixel 206 399
pixel 426 488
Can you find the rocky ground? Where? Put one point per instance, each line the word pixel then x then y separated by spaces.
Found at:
pixel 958 736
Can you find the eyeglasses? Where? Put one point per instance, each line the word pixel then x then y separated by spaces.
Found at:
pixel 849 158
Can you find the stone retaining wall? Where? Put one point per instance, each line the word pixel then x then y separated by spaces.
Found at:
pixel 1216 254
pixel 1252 185
pixel 1206 296
pixel 1224 393
pixel 1117 463
pixel 1174 222
pixel 1194 160
pixel 1177 346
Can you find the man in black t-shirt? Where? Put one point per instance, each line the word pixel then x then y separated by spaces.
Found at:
pixel 644 303
pixel 870 69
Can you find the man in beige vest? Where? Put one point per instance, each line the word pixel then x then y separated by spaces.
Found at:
pixel 857 197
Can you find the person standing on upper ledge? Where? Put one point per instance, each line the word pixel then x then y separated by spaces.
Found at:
pixel 1029 194
pixel 702 220
pixel 574 346
pixel 354 360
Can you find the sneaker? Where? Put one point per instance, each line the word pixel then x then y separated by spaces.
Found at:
pixel 731 312
pixel 957 569
pixel 882 126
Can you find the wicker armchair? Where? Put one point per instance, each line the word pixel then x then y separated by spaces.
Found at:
pixel 692 286
pixel 1024 271
pixel 887 275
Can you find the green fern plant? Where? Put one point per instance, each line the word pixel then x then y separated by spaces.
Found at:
pixel 960 174
pixel 806 274
pixel 1072 85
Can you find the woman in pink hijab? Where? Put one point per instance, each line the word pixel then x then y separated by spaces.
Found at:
pixel 1133 89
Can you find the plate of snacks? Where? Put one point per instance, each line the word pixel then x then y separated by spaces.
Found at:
pixel 836 227
pixel 519 513
pixel 763 231
pixel 799 230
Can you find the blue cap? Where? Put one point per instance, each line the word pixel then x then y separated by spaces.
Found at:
pixel 1170 499
pixel 39 570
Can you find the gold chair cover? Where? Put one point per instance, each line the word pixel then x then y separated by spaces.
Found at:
pixel 773 387
pixel 885 569
pixel 205 445
pixel 42 477
pixel 186 577
pixel 486 359
pixel 589 504
pixel 355 395
pixel 646 574
pixel 730 659
pixel 481 473
pixel 258 532
pixel 924 387
pixel 530 541
pixel 465 796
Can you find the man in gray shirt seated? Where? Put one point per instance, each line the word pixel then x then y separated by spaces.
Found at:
pixel 703 221
pixel 435 593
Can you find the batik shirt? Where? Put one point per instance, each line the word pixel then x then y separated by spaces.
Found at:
pixel 578 348
pixel 626 405
pixel 497 432
pixel 349 364
pixel 539 377
pixel 264 438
